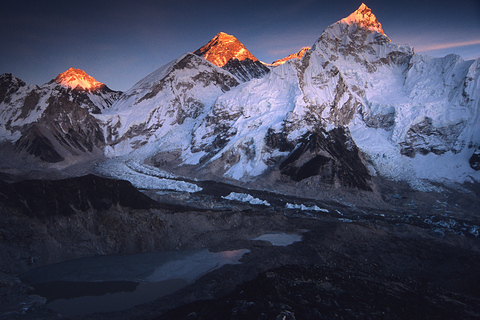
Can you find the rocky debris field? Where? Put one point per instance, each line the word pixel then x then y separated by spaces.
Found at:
pixel 416 257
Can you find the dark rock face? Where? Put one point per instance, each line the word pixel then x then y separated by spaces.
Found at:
pixel 34 142
pixel 9 85
pixel 331 156
pixel 104 94
pixel 29 104
pixel 247 69
pixel 475 160
pixel 44 199
pixel 43 222
pixel 64 129
pixel 380 121
pixel 278 140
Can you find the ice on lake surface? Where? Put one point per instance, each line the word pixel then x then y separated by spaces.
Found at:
pixel 280 239
pixel 115 283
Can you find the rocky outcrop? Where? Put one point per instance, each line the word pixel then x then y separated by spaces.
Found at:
pixel 474 160
pixel 9 84
pixel 44 199
pixel 246 69
pixel 65 130
pixel 331 157
pixel 424 138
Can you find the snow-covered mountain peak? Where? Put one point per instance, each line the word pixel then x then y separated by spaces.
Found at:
pixel 297 55
pixel 9 84
pixel 225 38
pixel 358 41
pixel 9 78
pixel 222 48
pixel 365 18
pixel 79 80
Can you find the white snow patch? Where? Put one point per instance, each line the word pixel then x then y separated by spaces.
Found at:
pixel 243 197
pixel 304 207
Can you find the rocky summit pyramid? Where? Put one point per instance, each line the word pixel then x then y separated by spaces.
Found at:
pixel 227 52
pixel 222 48
pixel 79 80
pixel 364 18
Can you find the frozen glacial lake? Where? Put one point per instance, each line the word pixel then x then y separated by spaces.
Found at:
pixel 280 239
pixel 120 282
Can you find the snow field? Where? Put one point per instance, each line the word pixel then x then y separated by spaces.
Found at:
pixel 243 197
pixel 304 207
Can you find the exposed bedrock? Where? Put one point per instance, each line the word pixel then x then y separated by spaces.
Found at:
pixel 332 157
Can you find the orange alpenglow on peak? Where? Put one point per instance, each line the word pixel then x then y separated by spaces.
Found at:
pixel 364 17
pixel 222 48
pixel 78 79
pixel 297 55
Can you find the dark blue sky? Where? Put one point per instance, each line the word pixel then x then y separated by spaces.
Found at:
pixel 120 42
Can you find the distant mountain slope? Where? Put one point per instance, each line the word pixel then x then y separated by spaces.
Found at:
pixel 54 122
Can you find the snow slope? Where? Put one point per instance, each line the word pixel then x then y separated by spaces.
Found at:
pixel 167 103
pixel 354 104
pixel 405 111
